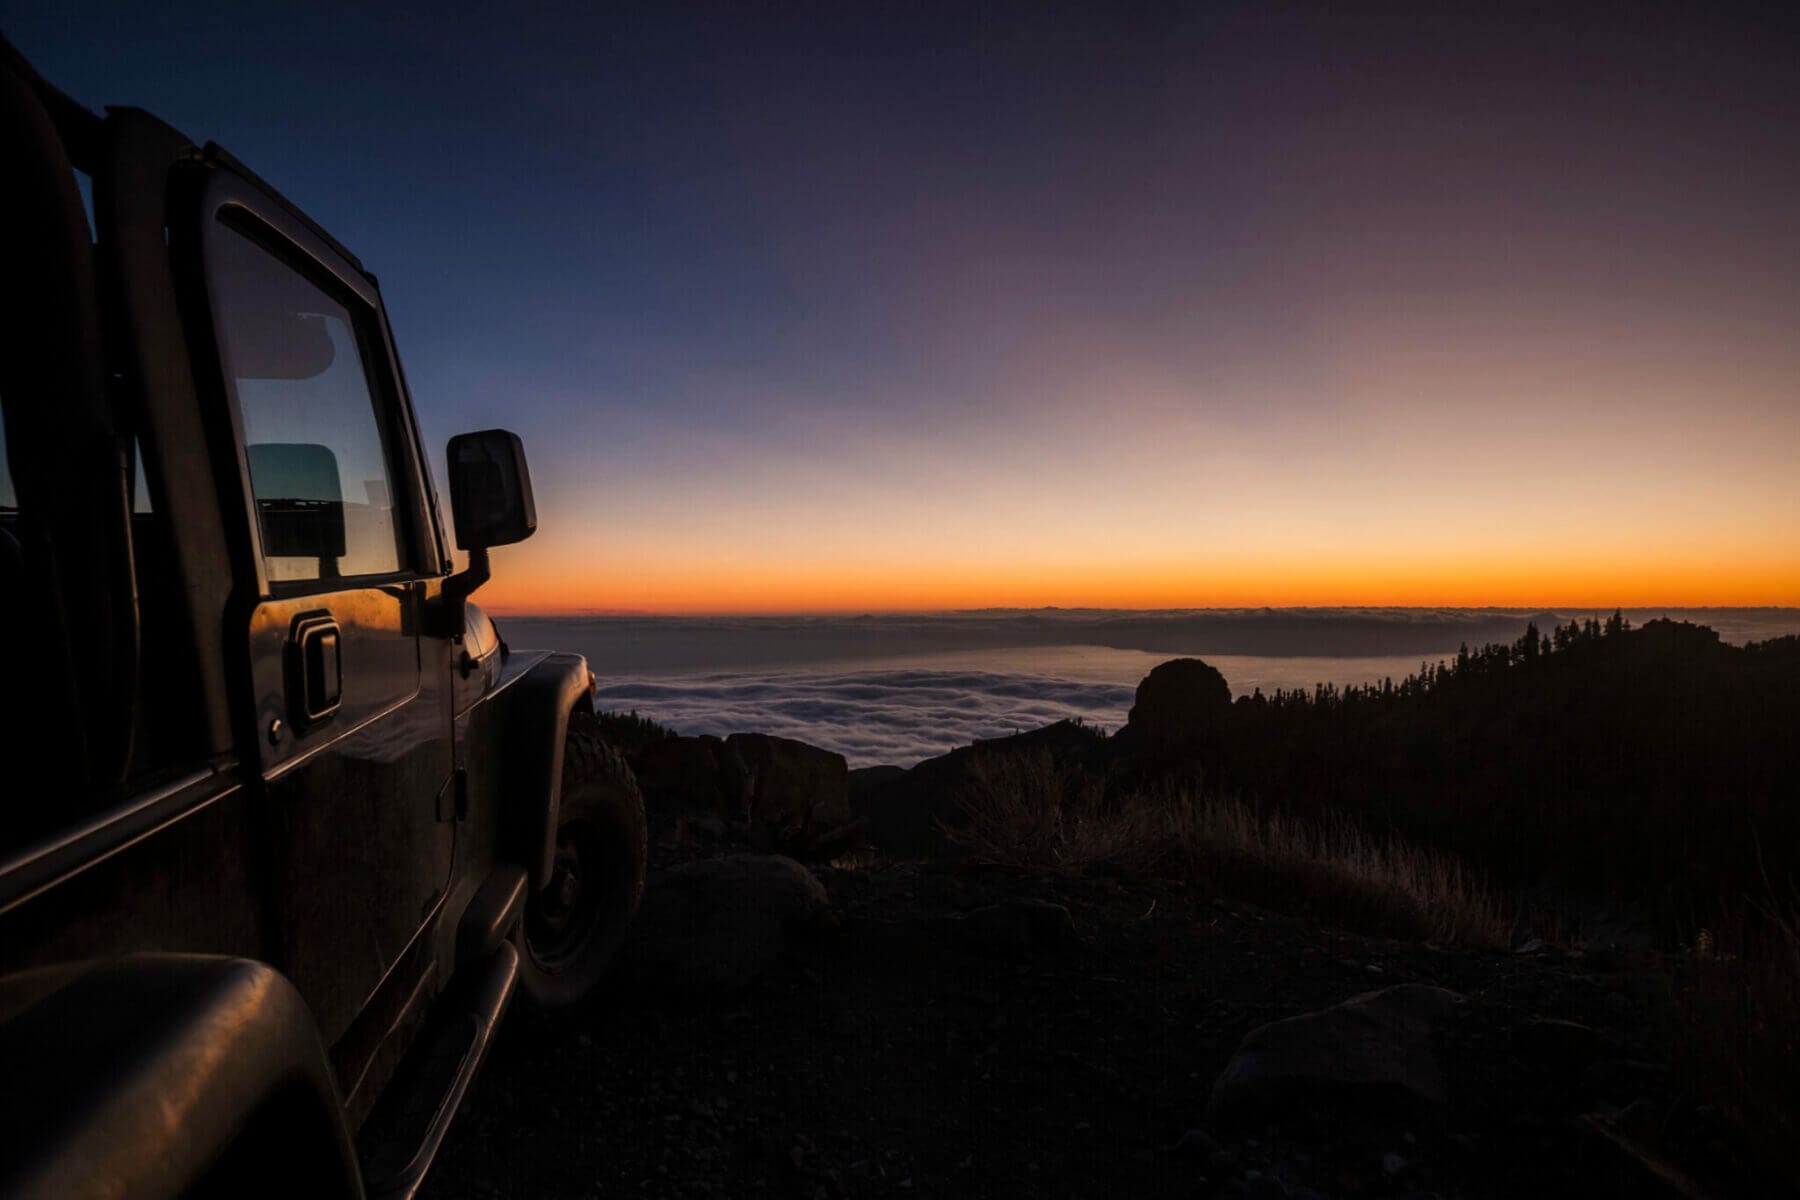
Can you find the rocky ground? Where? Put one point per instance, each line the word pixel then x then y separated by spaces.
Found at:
pixel 931 1028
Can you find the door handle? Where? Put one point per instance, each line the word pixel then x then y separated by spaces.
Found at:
pixel 315 668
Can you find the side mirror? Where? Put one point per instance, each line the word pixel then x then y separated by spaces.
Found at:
pixel 490 490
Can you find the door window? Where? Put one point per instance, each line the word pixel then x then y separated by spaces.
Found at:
pixel 314 439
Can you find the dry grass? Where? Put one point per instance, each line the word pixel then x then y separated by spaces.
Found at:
pixel 1021 810
pixel 1741 1012
pixel 1335 869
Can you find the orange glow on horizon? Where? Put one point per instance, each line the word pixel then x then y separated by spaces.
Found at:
pixel 1402 478
pixel 1553 585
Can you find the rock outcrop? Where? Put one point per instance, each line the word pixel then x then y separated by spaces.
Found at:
pixel 1372 1054
pixel 721 923
pixel 1179 701
pixel 789 782
pixel 685 772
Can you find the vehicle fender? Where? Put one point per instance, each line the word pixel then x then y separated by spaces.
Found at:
pixel 535 723
pixel 154 1074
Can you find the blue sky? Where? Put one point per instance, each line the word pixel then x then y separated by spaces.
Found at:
pixel 826 307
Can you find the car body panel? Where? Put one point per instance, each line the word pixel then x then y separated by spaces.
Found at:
pixel 323 861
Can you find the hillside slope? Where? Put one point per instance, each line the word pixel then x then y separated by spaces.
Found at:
pixel 921 1041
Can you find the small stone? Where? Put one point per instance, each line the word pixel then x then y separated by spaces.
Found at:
pixel 1373 1051
pixel 1196 1143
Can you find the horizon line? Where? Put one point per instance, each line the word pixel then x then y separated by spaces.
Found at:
pixel 1522 610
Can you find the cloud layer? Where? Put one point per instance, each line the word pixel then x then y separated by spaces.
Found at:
pixel 873 716
pixel 897 689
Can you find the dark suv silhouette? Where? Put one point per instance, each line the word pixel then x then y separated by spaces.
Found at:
pixel 284 822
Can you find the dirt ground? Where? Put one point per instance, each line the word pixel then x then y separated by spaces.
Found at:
pixel 886 1057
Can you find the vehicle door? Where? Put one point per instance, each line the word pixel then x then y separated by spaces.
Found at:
pixel 350 696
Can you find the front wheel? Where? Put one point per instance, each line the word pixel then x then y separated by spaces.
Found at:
pixel 575 925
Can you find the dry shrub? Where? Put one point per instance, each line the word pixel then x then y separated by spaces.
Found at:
pixel 1022 810
pixel 1332 868
pixel 1740 1007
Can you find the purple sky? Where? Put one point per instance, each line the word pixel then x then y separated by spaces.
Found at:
pixel 890 306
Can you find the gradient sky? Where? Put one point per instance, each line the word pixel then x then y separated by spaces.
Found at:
pixel 907 306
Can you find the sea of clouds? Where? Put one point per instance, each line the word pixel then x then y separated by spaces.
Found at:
pixel 898 689
pixel 869 716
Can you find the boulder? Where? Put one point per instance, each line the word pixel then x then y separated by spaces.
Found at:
pixel 1179 701
pixel 1372 1054
pixel 790 782
pixel 684 772
pixel 720 923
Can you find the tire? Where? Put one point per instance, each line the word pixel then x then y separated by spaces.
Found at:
pixel 574 927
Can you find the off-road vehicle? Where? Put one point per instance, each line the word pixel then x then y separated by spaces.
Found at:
pixel 283 821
